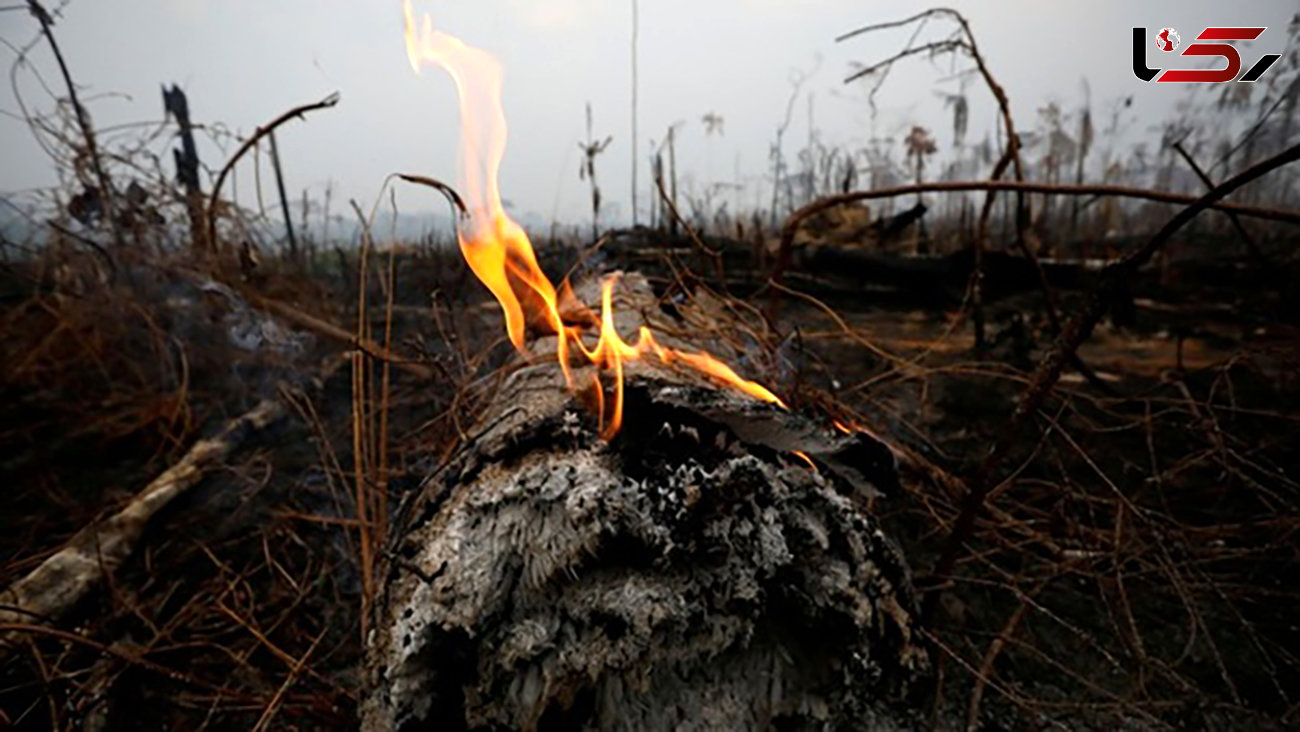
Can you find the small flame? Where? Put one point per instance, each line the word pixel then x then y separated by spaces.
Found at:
pixel 499 252
pixel 804 457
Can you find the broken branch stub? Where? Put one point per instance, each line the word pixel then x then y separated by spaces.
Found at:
pixel 692 571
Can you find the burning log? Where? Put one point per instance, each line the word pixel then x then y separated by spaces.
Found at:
pixel 677 558
pixel 694 569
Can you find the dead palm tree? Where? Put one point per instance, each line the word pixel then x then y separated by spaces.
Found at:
pixel 587 171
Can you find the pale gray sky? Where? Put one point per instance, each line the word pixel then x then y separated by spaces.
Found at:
pixel 244 61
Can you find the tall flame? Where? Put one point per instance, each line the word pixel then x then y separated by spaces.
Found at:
pixel 499 252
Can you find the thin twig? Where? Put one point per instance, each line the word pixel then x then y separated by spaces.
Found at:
pixel 457 203
pixel 716 254
pixel 1246 238
pixel 264 722
pixel 14 629
pixel 995 647
pixel 83 119
pixel 360 435
pixel 935 48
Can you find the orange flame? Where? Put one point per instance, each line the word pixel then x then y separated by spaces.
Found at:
pixel 499 252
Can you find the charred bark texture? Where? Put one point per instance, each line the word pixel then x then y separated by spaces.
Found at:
pixel 690 574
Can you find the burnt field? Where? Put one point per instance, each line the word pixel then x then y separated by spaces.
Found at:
pixel 1081 361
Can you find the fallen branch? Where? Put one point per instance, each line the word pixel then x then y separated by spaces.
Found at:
pixel 792 222
pixel 329 330
pixel 97 551
pixel 791 226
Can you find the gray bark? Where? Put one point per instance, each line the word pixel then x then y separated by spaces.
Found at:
pixel 690 574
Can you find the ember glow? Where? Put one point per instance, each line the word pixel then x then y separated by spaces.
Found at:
pixel 501 256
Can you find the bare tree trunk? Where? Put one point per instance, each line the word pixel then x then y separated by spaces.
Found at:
pixel 284 199
pixel 636 142
pixel 187 165
pixel 691 573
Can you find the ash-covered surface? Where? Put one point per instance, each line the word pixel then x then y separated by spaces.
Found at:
pixel 676 577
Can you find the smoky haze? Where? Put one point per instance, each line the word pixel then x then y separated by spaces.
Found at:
pixel 243 62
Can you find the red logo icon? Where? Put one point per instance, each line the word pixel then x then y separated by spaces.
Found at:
pixel 1167 39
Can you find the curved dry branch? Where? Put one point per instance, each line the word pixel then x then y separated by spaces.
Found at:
pixel 457 203
pixel 259 133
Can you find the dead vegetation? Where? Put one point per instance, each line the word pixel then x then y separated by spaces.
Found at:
pixel 1099 497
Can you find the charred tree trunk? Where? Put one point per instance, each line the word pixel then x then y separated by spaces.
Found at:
pixel 176 104
pixel 691 573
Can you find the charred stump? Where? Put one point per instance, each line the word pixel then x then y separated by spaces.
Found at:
pixel 693 572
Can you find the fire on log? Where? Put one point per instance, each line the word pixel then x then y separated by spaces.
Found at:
pixel 692 571
pixel 677 558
